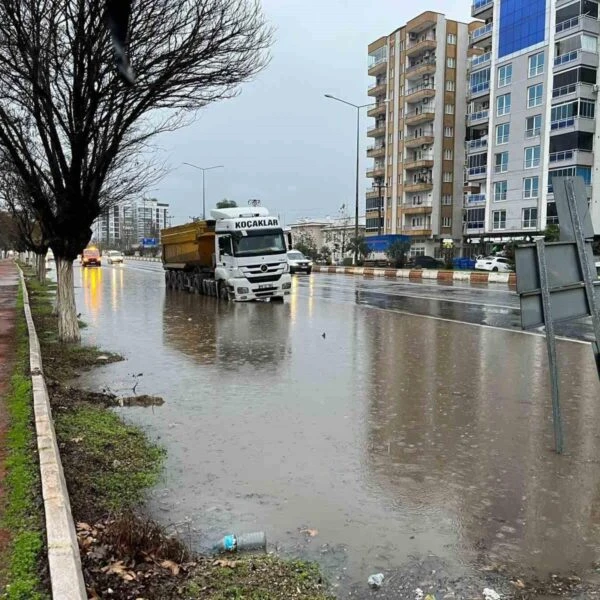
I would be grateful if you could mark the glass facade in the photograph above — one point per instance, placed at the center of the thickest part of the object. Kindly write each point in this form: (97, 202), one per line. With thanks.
(522, 24)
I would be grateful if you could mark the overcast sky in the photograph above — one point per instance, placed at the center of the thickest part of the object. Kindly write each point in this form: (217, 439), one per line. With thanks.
(281, 140)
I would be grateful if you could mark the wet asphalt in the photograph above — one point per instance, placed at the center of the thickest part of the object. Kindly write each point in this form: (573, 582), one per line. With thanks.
(409, 424)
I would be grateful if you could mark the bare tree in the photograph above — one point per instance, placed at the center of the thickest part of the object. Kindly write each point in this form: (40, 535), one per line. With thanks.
(74, 131)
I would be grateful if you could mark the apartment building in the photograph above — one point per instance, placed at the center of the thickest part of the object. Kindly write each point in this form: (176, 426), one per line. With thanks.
(532, 91)
(418, 132)
(127, 223)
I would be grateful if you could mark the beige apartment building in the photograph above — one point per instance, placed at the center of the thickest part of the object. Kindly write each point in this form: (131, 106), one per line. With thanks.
(418, 131)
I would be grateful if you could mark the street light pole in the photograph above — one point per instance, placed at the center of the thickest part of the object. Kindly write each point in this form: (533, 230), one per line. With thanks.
(357, 107)
(203, 169)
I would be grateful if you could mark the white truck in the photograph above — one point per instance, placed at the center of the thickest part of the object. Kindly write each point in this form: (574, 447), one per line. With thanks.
(239, 254)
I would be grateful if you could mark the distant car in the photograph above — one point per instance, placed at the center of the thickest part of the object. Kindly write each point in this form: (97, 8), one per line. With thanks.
(91, 257)
(114, 256)
(299, 262)
(425, 262)
(493, 263)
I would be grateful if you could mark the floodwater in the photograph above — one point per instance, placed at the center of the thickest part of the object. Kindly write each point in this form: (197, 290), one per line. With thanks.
(395, 436)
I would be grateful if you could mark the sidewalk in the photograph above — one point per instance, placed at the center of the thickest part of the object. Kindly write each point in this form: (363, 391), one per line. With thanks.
(9, 282)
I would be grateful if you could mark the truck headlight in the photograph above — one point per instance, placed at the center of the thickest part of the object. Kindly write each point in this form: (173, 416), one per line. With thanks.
(287, 285)
(243, 290)
(286, 267)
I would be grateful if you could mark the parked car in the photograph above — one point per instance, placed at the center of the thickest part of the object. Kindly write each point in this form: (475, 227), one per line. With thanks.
(493, 263)
(114, 256)
(91, 256)
(298, 262)
(425, 262)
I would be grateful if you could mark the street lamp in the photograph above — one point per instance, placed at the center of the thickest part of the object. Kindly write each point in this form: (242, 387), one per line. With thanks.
(203, 169)
(357, 107)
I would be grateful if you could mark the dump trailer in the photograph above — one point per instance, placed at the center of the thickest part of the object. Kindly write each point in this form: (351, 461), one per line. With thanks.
(239, 254)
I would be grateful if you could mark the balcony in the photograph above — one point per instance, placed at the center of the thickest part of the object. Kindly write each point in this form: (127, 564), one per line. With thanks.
(377, 130)
(580, 157)
(482, 9)
(377, 89)
(479, 61)
(424, 114)
(483, 116)
(424, 67)
(377, 109)
(424, 21)
(423, 184)
(374, 192)
(374, 204)
(475, 200)
(418, 231)
(479, 89)
(422, 45)
(479, 172)
(411, 164)
(417, 209)
(419, 92)
(575, 58)
(378, 66)
(578, 88)
(481, 34)
(422, 140)
(376, 171)
(477, 145)
(376, 151)
(576, 24)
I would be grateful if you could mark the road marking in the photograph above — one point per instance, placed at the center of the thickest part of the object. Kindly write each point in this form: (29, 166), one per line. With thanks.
(446, 320)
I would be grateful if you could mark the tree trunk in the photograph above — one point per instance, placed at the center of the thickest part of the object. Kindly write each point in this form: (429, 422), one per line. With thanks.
(40, 260)
(68, 327)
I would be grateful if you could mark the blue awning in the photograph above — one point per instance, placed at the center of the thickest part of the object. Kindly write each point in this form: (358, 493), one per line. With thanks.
(380, 243)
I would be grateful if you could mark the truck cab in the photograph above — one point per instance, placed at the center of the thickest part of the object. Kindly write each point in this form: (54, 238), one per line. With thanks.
(251, 254)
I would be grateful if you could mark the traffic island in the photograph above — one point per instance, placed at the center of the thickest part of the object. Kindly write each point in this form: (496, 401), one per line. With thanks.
(108, 466)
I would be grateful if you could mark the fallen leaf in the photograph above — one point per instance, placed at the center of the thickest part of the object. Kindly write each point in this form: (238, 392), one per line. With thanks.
(172, 566)
(310, 532)
(225, 563)
(118, 568)
(519, 584)
(81, 526)
(76, 440)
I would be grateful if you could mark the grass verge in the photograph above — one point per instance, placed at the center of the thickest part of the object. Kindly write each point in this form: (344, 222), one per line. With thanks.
(108, 466)
(23, 516)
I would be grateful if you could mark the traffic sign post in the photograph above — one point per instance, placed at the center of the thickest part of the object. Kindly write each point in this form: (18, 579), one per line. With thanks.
(555, 281)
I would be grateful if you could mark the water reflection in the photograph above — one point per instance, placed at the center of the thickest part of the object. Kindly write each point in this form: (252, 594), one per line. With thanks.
(229, 335)
(460, 433)
(91, 281)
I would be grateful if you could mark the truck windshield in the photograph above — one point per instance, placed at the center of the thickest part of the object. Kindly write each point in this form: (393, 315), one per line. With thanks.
(259, 243)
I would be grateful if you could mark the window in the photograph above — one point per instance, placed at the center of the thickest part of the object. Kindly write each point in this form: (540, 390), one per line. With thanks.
(451, 63)
(450, 85)
(476, 218)
(446, 199)
(587, 109)
(448, 176)
(451, 38)
(503, 105)
(499, 219)
(448, 154)
(447, 222)
(392, 73)
(530, 218)
(531, 187)
(504, 75)
(534, 95)
(532, 157)
(500, 190)
(449, 109)
(391, 139)
(502, 133)
(536, 64)
(533, 126)
(501, 162)
(392, 50)
(480, 81)
(400, 135)
(448, 131)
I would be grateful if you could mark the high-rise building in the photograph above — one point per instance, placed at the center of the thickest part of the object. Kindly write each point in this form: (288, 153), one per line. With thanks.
(532, 96)
(128, 223)
(418, 132)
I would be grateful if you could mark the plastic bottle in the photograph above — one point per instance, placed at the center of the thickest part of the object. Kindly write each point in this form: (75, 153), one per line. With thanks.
(245, 541)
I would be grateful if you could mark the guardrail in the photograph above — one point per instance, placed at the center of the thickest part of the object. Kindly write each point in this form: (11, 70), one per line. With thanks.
(144, 258)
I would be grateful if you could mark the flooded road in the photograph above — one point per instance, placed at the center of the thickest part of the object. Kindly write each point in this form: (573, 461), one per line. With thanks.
(395, 436)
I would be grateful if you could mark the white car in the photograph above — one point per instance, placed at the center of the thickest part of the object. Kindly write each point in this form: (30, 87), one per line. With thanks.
(493, 263)
(114, 256)
(299, 262)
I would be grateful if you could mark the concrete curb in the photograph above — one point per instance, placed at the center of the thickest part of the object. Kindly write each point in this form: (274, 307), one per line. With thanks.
(509, 279)
(66, 576)
(143, 258)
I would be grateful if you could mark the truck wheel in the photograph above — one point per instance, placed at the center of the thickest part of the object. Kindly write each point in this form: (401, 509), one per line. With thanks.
(223, 291)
